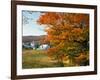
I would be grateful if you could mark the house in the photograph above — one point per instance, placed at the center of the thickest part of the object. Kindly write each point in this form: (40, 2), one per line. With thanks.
(31, 42)
(44, 47)
(28, 45)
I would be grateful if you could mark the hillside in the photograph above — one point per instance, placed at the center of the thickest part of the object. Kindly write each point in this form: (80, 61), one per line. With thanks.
(32, 38)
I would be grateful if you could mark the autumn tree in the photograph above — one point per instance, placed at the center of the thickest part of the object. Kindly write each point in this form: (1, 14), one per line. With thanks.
(68, 36)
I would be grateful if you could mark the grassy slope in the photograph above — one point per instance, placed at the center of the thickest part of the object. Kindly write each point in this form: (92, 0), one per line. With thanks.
(36, 59)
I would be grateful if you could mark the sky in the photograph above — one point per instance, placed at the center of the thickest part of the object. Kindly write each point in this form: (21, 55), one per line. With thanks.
(30, 25)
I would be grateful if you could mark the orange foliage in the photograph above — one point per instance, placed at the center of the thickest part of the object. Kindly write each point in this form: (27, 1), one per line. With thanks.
(82, 57)
(48, 18)
(65, 28)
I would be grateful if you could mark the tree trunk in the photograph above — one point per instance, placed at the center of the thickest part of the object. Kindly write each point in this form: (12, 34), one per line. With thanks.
(60, 62)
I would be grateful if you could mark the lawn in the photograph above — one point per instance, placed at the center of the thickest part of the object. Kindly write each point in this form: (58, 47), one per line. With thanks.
(37, 59)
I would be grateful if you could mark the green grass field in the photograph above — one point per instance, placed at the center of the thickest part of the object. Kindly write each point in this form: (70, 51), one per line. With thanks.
(37, 59)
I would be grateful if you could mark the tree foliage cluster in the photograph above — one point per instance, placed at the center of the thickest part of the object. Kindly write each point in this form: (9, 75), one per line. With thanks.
(68, 36)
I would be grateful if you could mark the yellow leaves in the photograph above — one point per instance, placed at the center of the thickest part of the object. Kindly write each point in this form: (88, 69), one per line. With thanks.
(52, 51)
(56, 41)
(50, 31)
(60, 45)
(70, 48)
(80, 38)
(65, 58)
(77, 31)
(82, 57)
(77, 34)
